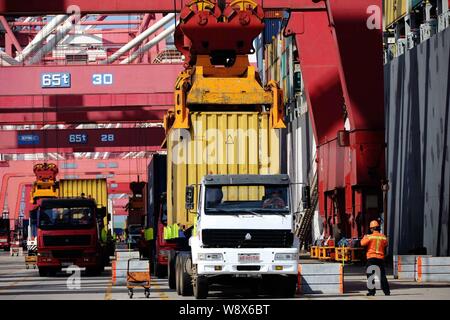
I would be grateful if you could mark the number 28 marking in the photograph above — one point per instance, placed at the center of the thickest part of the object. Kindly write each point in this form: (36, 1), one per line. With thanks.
(107, 138)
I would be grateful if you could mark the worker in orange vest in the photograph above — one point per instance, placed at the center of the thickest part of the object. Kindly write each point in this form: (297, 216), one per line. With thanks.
(376, 244)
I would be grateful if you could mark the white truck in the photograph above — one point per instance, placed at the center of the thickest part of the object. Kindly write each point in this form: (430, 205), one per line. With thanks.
(249, 239)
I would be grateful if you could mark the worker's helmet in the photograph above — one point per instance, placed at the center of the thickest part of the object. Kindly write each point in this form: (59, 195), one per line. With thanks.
(374, 224)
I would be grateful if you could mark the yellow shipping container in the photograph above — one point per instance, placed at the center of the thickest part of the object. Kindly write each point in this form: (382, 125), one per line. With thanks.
(92, 188)
(394, 10)
(218, 143)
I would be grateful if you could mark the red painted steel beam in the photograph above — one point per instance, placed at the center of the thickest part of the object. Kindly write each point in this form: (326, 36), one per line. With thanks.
(38, 7)
(82, 23)
(15, 185)
(80, 140)
(10, 34)
(84, 108)
(125, 79)
(319, 62)
(361, 70)
(131, 114)
(123, 171)
(137, 93)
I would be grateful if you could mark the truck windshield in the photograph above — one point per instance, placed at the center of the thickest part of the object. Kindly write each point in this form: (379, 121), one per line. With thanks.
(77, 217)
(261, 199)
(4, 224)
(134, 229)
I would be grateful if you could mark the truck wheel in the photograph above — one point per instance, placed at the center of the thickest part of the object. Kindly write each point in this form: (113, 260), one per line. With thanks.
(287, 286)
(52, 272)
(185, 275)
(43, 272)
(171, 269)
(94, 272)
(178, 274)
(200, 287)
(160, 271)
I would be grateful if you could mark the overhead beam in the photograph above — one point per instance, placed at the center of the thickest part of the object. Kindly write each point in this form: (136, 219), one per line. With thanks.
(87, 115)
(39, 7)
(81, 140)
(88, 79)
(36, 7)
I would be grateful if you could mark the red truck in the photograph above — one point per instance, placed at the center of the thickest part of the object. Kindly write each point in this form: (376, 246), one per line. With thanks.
(70, 233)
(5, 240)
(162, 247)
(157, 214)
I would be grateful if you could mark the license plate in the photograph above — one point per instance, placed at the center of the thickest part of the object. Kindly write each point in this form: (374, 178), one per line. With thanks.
(66, 264)
(248, 258)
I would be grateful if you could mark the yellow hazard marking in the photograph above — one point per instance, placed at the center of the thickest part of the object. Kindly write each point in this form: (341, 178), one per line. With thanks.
(162, 294)
(11, 285)
(108, 292)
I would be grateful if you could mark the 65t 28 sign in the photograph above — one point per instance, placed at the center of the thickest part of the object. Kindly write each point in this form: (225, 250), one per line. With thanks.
(82, 138)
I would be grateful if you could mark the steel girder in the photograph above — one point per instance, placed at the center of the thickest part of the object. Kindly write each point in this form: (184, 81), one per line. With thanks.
(118, 171)
(81, 140)
(132, 93)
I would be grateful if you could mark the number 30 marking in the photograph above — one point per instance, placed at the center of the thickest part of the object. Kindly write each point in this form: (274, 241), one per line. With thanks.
(102, 79)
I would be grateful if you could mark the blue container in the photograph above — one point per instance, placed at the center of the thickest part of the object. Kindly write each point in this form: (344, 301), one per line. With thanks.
(271, 29)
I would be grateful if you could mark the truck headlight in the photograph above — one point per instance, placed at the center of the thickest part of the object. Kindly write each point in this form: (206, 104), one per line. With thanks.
(210, 256)
(285, 256)
(44, 254)
(164, 253)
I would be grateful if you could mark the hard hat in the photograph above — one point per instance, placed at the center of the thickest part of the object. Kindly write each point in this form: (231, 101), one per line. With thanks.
(374, 224)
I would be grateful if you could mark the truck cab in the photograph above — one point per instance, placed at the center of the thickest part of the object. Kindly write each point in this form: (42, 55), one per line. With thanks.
(134, 232)
(244, 228)
(5, 240)
(69, 233)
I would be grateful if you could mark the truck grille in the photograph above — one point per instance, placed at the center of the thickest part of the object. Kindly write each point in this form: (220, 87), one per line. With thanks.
(221, 238)
(81, 240)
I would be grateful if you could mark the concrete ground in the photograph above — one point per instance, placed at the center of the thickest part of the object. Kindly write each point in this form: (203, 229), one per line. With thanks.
(18, 283)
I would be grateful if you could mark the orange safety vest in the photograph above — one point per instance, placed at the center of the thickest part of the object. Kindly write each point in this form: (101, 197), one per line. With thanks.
(375, 243)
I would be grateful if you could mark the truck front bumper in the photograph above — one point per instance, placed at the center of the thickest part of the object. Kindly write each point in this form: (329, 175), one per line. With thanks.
(232, 263)
(86, 259)
(4, 245)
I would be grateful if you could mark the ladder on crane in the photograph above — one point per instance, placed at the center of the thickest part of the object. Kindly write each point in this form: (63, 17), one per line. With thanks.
(303, 221)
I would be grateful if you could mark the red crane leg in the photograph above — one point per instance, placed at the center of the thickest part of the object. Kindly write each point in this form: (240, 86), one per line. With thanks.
(361, 72)
(319, 61)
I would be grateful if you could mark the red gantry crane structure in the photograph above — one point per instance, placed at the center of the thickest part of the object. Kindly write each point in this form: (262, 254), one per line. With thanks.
(339, 46)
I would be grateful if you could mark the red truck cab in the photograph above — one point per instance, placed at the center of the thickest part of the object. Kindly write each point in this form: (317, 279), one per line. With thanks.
(5, 237)
(162, 246)
(69, 233)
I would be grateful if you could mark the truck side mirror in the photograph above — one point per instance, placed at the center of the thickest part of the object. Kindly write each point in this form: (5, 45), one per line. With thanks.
(33, 215)
(101, 212)
(189, 197)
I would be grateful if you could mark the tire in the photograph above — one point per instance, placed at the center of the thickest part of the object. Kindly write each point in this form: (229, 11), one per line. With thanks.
(185, 275)
(178, 274)
(289, 286)
(283, 286)
(94, 272)
(52, 272)
(171, 270)
(43, 272)
(254, 289)
(200, 287)
(160, 271)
